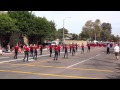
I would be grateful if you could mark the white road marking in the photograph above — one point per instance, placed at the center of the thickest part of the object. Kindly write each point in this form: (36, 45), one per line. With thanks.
(30, 59)
(11, 60)
(83, 61)
(4, 57)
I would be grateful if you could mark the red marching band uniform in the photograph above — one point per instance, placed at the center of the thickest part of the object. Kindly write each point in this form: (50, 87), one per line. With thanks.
(50, 49)
(26, 51)
(56, 52)
(16, 48)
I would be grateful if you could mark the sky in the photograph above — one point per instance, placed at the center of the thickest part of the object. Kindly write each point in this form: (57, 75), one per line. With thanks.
(75, 20)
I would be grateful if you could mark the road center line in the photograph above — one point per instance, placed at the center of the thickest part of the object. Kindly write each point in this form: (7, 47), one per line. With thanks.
(60, 67)
(44, 74)
(83, 61)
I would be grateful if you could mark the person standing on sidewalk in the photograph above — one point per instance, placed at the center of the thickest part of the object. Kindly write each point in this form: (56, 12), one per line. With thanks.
(16, 48)
(8, 48)
(50, 48)
(108, 48)
(26, 51)
(41, 49)
(1, 51)
(117, 51)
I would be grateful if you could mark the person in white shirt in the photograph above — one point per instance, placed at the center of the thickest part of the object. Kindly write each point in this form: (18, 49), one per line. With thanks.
(117, 50)
(1, 52)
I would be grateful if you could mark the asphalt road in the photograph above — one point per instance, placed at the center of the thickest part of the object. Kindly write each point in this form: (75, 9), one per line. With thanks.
(94, 65)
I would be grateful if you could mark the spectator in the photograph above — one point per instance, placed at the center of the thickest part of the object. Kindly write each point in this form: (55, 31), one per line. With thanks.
(116, 51)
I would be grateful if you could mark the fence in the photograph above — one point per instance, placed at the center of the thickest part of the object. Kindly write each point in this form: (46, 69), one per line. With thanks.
(75, 41)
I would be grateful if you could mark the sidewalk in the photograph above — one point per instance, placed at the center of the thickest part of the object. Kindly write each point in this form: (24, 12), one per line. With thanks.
(10, 53)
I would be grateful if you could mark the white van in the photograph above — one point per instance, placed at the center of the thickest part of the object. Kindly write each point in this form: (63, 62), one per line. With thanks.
(54, 43)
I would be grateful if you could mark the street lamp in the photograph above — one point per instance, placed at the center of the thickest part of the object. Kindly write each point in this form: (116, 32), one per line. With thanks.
(63, 27)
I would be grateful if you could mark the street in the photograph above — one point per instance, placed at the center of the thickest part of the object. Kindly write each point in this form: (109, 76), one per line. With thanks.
(94, 65)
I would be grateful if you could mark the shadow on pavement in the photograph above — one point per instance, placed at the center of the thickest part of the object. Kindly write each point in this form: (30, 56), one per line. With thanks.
(113, 77)
(117, 76)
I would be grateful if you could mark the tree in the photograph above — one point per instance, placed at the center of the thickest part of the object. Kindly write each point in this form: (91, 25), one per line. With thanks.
(74, 36)
(87, 29)
(60, 33)
(40, 31)
(96, 30)
(83, 35)
(114, 38)
(7, 27)
(23, 18)
(53, 32)
(106, 27)
(36, 28)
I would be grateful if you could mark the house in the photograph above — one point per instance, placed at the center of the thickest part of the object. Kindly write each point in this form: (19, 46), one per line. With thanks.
(68, 36)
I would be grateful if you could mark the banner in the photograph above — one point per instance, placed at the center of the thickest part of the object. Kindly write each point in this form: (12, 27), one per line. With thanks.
(25, 40)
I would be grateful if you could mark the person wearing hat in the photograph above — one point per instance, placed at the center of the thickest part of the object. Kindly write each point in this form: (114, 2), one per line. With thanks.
(116, 51)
